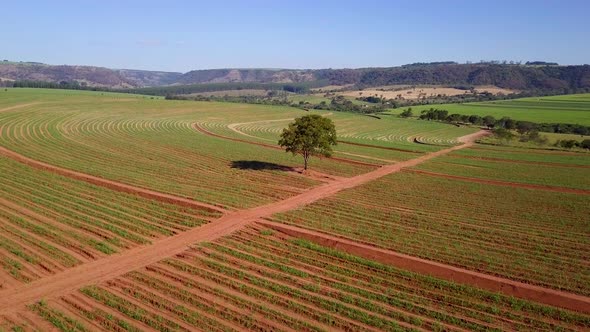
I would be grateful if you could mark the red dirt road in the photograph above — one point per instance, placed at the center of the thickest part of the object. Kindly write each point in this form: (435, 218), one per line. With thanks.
(114, 185)
(118, 264)
(443, 271)
(270, 146)
(516, 161)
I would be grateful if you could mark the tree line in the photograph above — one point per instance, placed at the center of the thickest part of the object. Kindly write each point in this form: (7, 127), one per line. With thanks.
(72, 85)
(301, 87)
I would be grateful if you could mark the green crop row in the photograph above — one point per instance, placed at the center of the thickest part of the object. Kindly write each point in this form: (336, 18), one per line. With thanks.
(533, 236)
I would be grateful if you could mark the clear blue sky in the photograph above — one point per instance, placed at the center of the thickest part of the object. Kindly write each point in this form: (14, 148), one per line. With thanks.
(183, 35)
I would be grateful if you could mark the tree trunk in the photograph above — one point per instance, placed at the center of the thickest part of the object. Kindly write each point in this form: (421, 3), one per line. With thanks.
(305, 158)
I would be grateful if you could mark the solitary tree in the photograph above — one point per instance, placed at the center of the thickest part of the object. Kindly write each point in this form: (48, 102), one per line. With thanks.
(309, 135)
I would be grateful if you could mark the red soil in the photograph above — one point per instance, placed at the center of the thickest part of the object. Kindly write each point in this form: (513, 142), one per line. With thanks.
(275, 147)
(114, 185)
(515, 161)
(112, 266)
(504, 183)
(535, 151)
(379, 147)
(443, 271)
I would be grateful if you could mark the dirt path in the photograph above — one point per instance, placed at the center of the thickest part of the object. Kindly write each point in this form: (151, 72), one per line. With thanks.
(233, 126)
(505, 183)
(518, 161)
(118, 264)
(114, 185)
(202, 130)
(378, 147)
(443, 271)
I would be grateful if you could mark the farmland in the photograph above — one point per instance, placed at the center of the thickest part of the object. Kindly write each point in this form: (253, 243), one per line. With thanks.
(469, 224)
(258, 279)
(50, 223)
(121, 212)
(574, 109)
(386, 132)
(116, 132)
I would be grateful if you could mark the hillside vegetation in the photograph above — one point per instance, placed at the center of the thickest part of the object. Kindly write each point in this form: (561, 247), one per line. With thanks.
(562, 79)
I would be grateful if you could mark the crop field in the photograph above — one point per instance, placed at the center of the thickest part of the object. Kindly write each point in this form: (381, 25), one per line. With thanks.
(548, 169)
(154, 145)
(123, 212)
(50, 223)
(257, 279)
(535, 236)
(556, 158)
(574, 109)
(388, 131)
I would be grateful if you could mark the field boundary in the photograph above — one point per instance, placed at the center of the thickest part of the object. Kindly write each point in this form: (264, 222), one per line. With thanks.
(503, 183)
(418, 265)
(380, 147)
(517, 161)
(118, 264)
(113, 185)
(202, 130)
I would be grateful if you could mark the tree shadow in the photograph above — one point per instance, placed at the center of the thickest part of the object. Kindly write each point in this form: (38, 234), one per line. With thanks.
(260, 166)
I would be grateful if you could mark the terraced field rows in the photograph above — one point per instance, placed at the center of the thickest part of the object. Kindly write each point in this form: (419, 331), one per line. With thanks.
(532, 236)
(176, 161)
(395, 131)
(557, 169)
(375, 146)
(256, 278)
(260, 280)
(532, 157)
(154, 145)
(50, 223)
(573, 109)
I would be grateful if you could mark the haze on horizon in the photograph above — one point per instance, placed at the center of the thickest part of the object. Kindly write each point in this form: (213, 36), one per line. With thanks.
(183, 35)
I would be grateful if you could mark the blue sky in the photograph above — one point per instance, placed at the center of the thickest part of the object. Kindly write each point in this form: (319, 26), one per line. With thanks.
(184, 35)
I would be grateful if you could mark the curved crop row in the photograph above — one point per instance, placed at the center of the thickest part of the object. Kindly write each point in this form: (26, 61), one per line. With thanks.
(153, 145)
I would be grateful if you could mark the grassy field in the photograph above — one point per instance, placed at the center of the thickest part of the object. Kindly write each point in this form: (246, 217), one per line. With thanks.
(574, 109)
(258, 280)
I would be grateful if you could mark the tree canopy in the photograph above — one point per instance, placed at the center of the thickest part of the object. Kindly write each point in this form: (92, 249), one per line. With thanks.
(309, 135)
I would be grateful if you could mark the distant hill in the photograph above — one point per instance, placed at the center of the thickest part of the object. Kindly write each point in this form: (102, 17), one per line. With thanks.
(143, 78)
(85, 75)
(518, 77)
(247, 76)
(533, 75)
